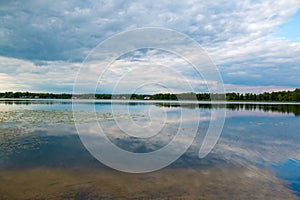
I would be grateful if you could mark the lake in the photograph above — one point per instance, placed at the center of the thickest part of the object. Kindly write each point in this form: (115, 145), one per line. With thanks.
(257, 155)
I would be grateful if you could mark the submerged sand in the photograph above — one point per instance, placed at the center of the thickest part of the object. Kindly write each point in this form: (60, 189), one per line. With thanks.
(218, 183)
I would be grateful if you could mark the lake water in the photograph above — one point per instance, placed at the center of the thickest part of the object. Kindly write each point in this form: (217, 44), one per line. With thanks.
(42, 157)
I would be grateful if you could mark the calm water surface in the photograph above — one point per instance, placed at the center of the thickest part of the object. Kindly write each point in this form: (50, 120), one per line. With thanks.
(42, 157)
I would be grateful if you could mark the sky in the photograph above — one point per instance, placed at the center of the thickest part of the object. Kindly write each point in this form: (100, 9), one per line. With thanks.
(255, 44)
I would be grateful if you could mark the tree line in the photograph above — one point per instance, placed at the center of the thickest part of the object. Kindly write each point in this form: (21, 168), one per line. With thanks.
(31, 95)
(266, 96)
(282, 96)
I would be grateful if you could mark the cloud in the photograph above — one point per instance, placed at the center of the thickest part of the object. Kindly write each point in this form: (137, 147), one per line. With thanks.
(255, 88)
(21, 75)
(59, 30)
(239, 36)
(265, 61)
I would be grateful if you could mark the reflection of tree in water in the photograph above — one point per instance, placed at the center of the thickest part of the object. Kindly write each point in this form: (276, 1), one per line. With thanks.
(282, 108)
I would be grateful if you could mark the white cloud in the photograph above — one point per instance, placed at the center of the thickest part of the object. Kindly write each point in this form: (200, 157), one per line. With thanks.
(21, 75)
(255, 89)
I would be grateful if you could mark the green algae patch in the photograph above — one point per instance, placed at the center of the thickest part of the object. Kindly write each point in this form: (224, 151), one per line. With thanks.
(15, 124)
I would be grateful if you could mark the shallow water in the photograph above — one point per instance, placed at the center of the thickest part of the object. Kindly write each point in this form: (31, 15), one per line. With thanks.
(42, 156)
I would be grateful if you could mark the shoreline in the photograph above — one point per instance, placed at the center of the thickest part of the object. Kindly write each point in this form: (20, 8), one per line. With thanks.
(153, 101)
